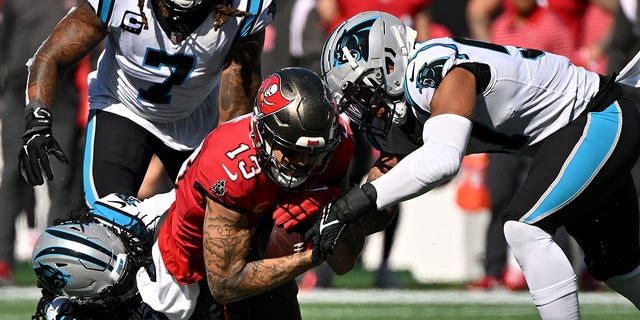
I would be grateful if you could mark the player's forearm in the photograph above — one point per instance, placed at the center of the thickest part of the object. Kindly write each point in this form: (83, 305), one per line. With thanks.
(236, 93)
(260, 276)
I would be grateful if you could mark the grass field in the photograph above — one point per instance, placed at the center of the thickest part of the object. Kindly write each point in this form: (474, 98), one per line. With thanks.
(373, 307)
(354, 299)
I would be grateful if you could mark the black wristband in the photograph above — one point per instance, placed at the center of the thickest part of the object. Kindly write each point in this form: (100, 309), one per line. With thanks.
(37, 118)
(357, 202)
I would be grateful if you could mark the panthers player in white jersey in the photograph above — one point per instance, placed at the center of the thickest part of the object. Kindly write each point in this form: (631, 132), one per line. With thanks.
(171, 70)
(433, 102)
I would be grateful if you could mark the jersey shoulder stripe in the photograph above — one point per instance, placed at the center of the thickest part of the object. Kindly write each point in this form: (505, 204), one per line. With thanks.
(262, 14)
(247, 24)
(104, 9)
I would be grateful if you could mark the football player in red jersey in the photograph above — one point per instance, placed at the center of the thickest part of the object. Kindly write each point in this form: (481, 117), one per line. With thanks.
(294, 141)
(284, 161)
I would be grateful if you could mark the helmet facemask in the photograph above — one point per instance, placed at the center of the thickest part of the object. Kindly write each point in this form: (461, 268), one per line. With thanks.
(369, 106)
(291, 165)
(183, 16)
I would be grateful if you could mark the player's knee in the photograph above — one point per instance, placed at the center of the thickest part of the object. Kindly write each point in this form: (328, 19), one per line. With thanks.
(521, 236)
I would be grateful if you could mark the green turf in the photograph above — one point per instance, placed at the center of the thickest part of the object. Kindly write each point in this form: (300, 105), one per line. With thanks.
(23, 275)
(451, 312)
(23, 309)
(17, 310)
(360, 279)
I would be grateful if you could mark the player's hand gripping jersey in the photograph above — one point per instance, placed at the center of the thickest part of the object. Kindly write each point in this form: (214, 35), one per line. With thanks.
(225, 168)
(521, 99)
(143, 75)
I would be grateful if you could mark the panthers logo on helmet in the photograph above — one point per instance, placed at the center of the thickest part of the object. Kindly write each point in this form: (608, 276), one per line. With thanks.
(270, 97)
(354, 39)
(430, 74)
(54, 279)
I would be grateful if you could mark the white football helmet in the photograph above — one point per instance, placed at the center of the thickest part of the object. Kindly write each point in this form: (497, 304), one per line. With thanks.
(363, 63)
(83, 261)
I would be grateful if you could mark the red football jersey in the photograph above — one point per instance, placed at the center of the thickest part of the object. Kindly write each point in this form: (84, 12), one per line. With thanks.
(225, 168)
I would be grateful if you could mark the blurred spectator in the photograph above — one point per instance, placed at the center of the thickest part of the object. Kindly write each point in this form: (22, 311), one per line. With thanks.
(451, 14)
(275, 54)
(480, 14)
(414, 13)
(25, 25)
(528, 25)
(625, 39)
(307, 35)
(624, 44)
(595, 37)
(587, 21)
(504, 175)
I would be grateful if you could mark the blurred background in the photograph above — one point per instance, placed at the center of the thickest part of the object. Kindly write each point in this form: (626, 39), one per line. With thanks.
(448, 239)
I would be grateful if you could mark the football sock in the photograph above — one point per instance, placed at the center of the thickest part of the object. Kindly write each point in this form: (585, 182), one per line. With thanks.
(559, 301)
(549, 274)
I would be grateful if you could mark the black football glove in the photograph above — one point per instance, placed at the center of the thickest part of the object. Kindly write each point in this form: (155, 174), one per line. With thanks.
(335, 217)
(38, 144)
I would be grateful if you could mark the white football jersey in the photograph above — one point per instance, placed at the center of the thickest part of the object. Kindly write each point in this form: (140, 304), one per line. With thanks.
(530, 94)
(143, 76)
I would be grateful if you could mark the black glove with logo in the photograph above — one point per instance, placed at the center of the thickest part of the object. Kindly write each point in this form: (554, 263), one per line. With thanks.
(335, 217)
(38, 144)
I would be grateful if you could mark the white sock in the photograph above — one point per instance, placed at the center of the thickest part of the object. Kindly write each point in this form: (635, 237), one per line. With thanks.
(549, 274)
(627, 285)
(559, 301)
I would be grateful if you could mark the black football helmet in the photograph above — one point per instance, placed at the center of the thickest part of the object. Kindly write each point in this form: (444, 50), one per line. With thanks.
(184, 16)
(295, 126)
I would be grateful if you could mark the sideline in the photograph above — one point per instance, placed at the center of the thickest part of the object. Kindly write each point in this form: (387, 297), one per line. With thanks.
(390, 296)
(495, 297)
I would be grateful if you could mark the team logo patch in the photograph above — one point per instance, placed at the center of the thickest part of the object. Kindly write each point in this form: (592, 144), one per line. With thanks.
(132, 22)
(219, 189)
(355, 40)
(54, 279)
(430, 74)
(270, 97)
